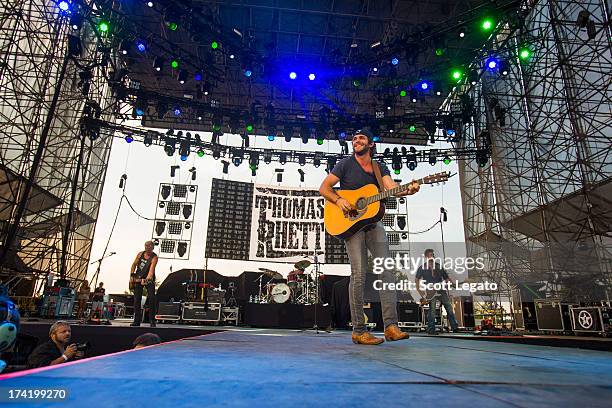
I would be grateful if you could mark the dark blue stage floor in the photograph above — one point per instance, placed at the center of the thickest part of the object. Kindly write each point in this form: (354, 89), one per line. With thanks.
(254, 368)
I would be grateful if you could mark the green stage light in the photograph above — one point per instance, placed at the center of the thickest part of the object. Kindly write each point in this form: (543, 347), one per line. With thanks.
(174, 64)
(397, 171)
(487, 24)
(249, 128)
(457, 74)
(200, 153)
(412, 128)
(319, 141)
(446, 160)
(172, 26)
(524, 53)
(103, 26)
(402, 93)
(214, 45)
(439, 52)
(216, 128)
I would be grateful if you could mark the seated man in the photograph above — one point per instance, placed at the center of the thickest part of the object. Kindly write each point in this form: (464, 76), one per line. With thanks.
(146, 339)
(56, 350)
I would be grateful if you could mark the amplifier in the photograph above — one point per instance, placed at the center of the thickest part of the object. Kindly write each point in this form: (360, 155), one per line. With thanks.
(463, 307)
(197, 312)
(438, 315)
(593, 319)
(168, 311)
(409, 314)
(552, 315)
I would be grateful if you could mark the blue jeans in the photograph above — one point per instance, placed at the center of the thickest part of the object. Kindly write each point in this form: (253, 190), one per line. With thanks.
(431, 315)
(374, 240)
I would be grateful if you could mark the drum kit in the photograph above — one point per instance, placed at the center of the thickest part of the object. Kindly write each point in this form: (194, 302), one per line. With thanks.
(300, 287)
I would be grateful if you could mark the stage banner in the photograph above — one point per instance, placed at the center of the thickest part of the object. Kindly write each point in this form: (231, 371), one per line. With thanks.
(286, 224)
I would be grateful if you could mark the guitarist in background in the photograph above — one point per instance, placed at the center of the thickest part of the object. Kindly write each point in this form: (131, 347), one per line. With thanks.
(432, 272)
(142, 273)
(355, 172)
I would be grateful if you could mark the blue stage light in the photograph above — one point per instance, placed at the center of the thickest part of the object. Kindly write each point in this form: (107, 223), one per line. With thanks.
(425, 85)
(492, 63)
(342, 135)
(376, 139)
(129, 138)
(183, 158)
(450, 132)
(141, 46)
(198, 76)
(311, 77)
(395, 61)
(248, 73)
(292, 75)
(139, 112)
(64, 6)
(271, 138)
(177, 111)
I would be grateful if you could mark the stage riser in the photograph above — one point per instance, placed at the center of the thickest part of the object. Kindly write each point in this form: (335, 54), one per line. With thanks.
(285, 316)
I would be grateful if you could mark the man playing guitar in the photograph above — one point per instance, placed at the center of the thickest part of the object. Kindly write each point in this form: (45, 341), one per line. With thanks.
(432, 272)
(142, 273)
(353, 173)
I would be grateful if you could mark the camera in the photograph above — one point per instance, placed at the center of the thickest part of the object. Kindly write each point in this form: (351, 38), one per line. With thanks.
(82, 346)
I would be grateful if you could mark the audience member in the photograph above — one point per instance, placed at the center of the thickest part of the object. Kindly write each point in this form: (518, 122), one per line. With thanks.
(56, 350)
(146, 339)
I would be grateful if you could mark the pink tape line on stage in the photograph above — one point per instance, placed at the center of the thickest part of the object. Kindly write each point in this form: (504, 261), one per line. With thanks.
(85, 360)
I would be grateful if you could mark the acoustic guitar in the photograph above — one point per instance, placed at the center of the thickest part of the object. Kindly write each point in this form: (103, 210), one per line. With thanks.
(367, 207)
(136, 280)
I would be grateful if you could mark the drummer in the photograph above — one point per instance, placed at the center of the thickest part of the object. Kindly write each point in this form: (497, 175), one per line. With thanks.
(300, 268)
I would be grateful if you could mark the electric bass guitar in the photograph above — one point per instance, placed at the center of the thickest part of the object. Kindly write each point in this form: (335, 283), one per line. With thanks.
(367, 207)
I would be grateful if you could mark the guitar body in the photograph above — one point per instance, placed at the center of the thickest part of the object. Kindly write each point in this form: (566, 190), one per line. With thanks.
(342, 225)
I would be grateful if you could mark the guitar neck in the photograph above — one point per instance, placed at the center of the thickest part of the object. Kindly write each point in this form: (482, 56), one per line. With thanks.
(392, 192)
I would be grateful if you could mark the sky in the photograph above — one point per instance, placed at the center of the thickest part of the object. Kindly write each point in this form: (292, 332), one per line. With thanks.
(147, 167)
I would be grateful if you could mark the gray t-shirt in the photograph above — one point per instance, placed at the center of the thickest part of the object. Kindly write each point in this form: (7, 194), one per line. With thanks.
(352, 176)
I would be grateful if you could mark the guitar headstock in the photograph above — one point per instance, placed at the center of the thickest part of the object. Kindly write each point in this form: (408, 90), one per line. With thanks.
(436, 178)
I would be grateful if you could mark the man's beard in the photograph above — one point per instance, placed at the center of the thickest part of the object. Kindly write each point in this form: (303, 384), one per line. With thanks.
(363, 151)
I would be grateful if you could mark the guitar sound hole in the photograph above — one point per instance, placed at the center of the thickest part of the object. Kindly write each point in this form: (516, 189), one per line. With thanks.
(360, 205)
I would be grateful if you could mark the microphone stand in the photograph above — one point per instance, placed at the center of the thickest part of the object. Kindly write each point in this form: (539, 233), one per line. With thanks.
(317, 270)
(97, 273)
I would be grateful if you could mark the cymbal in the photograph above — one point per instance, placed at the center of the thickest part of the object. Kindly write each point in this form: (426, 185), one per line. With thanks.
(271, 274)
(303, 264)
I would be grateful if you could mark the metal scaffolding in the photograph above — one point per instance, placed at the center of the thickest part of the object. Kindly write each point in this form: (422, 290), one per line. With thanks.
(540, 212)
(51, 168)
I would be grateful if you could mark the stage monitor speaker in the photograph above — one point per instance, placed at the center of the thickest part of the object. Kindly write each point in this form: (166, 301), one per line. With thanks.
(463, 308)
(168, 311)
(552, 315)
(591, 319)
(408, 312)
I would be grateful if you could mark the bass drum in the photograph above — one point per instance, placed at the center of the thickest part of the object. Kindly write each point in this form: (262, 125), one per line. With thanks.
(280, 293)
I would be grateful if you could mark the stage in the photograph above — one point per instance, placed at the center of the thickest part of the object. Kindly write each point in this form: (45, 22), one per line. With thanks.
(264, 367)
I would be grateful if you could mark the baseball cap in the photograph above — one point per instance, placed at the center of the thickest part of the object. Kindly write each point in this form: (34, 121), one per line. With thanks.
(367, 133)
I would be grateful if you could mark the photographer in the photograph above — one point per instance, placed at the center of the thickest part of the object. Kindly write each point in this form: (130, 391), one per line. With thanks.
(56, 350)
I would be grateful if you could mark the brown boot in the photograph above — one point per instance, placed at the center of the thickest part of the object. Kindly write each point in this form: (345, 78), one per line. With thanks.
(392, 333)
(366, 338)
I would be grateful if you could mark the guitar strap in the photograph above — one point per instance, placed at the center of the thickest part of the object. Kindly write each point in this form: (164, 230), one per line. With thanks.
(376, 168)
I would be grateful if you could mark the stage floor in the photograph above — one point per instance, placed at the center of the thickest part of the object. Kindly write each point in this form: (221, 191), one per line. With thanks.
(262, 367)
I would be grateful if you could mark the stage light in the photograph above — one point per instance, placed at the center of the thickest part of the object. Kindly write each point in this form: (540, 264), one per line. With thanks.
(302, 159)
(524, 53)
(403, 93)
(182, 76)
(432, 157)
(425, 85)
(268, 156)
(225, 166)
(174, 64)
(249, 128)
(487, 24)
(158, 63)
(482, 158)
(184, 149)
(64, 7)
(412, 128)
(292, 75)
(172, 26)
(232, 56)
(169, 147)
(456, 74)
(396, 163)
(187, 211)
(461, 34)
(271, 137)
(76, 20)
(181, 249)
(103, 26)
(148, 139)
(446, 160)
(183, 157)
(129, 138)
(342, 135)
(200, 153)
(248, 73)
(160, 226)
(356, 83)
(394, 61)
(197, 76)
(150, 4)
(320, 140)
(439, 51)
(214, 45)
(237, 157)
(317, 161)
(450, 132)
(141, 46)
(216, 154)
(177, 111)
(492, 63)
(282, 158)
(311, 77)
